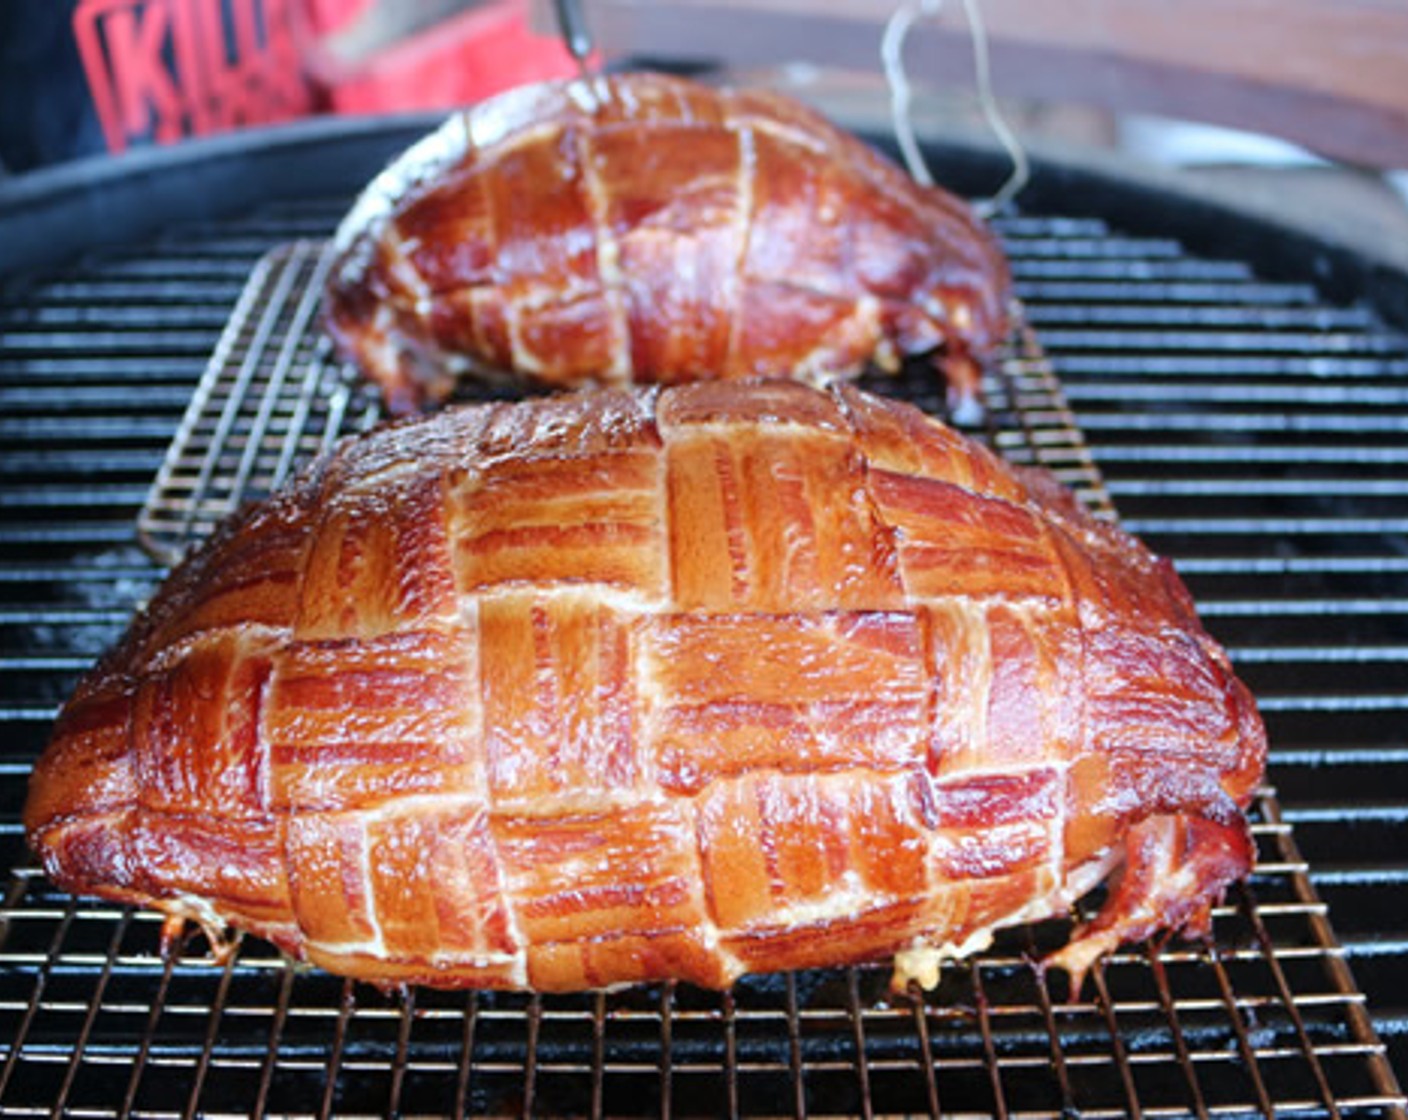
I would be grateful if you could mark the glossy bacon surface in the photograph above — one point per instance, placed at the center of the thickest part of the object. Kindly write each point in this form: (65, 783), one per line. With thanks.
(647, 229)
(677, 683)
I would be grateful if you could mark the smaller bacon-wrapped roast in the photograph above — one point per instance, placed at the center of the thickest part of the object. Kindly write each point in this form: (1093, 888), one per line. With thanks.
(643, 229)
(680, 683)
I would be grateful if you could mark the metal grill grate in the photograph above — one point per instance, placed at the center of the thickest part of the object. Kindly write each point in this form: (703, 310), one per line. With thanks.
(1217, 408)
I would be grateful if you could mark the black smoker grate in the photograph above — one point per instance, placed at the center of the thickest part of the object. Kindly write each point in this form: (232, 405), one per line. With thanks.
(1249, 429)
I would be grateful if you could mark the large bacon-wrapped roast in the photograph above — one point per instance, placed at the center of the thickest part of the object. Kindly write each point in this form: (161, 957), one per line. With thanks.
(643, 229)
(679, 683)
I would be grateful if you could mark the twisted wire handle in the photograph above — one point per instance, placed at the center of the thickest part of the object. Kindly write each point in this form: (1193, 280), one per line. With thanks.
(892, 58)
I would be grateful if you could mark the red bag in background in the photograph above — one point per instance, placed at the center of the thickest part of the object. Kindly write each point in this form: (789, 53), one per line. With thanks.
(433, 55)
(162, 70)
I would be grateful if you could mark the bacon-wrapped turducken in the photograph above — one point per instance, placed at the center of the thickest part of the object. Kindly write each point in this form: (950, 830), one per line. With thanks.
(645, 229)
(681, 683)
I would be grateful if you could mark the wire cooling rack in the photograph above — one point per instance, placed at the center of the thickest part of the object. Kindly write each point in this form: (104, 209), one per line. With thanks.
(1265, 1020)
(273, 396)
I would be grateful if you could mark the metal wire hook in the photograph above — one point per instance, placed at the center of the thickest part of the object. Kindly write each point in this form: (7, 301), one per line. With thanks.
(892, 59)
(576, 34)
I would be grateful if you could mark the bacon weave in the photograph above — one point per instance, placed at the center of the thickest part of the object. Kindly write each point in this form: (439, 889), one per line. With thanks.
(679, 683)
(644, 229)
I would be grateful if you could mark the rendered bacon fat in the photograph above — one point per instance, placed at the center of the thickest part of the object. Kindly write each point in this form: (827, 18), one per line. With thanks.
(647, 229)
(673, 683)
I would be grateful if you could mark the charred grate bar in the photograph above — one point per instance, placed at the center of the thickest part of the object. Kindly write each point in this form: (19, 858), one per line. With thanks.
(1266, 1020)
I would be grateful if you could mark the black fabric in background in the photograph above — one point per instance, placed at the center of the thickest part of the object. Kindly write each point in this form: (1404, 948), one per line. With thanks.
(46, 111)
